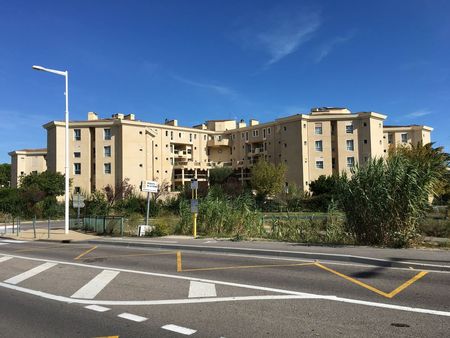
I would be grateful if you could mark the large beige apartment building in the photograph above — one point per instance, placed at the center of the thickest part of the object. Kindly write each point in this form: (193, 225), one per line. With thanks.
(108, 151)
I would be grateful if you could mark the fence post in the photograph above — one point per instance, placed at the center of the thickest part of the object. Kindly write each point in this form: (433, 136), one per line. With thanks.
(48, 227)
(121, 226)
(18, 226)
(104, 225)
(34, 226)
(13, 225)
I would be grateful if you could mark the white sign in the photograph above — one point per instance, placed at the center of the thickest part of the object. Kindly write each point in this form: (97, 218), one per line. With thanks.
(194, 184)
(77, 204)
(144, 229)
(149, 186)
(194, 206)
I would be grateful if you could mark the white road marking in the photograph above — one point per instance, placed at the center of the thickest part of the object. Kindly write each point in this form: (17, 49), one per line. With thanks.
(199, 289)
(4, 259)
(132, 317)
(179, 329)
(97, 308)
(287, 293)
(30, 273)
(11, 241)
(96, 284)
(4, 243)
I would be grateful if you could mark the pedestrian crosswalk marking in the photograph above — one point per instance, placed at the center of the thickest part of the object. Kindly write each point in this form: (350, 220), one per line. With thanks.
(30, 273)
(96, 285)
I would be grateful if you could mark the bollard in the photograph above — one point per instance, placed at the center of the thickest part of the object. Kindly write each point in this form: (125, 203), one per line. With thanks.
(18, 226)
(34, 226)
(48, 227)
(121, 226)
(13, 225)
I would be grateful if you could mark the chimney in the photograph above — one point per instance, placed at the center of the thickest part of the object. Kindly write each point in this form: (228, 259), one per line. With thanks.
(92, 116)
(130, 117)
(253, 122)
(118, 116)
(242, 124)
(171, 123)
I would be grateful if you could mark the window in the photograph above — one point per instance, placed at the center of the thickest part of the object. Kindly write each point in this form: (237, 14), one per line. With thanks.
(242, 136)
(171, 135)
(318, 129)
(107, 168)
(350, 162)
(167, 133)
(349, 129)
(390, 138)
(319, 164)
(365, 141)
(350, 145)
(285, 145)
(107, 151)
(107, 133)
(319, 146)
(233, 136)
(204, 137)
(190, 137)
(255, 133)
(77, 134)
(264, 133)
(179, 135)
(365, 124)
(404, 138)
(77, 154)
(77, 190)
(246, 135)
(269, 131)
(333, 163)
(77, 168)
(284, 128)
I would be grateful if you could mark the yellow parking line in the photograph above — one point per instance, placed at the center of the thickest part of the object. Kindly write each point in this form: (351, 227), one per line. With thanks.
(85, 252)
(246, 267)
(406, 284)
(179, 268)
(371, 288)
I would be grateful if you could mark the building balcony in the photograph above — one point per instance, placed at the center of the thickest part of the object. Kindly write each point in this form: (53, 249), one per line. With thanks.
(218, 143)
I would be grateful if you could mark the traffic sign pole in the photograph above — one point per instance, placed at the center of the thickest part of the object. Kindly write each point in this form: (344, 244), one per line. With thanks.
(194, 205)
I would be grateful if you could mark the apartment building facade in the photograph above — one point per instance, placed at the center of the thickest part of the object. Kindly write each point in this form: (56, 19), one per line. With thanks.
(25, 162)
(326, 141)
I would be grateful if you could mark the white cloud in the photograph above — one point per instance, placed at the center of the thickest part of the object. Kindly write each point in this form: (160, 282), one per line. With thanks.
(281, 32)
(327, 47)
(222, 90)
(419, 113)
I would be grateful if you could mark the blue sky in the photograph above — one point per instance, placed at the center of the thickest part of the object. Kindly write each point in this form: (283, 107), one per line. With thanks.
(198, 60)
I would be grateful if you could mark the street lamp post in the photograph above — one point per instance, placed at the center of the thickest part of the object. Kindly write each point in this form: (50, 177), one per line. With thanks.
(66, 165)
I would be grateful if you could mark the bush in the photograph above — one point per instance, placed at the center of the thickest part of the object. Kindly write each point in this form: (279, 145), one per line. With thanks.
(385, 200)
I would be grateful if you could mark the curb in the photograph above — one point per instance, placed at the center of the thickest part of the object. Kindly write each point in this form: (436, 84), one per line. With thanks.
(283, 253)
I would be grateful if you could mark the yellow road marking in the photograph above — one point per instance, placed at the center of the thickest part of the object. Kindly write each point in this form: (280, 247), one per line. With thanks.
(247, 267)
(133, 255)
(371, 288)
(85, 252)
(408, 283)
(108, 337)
(179, 269)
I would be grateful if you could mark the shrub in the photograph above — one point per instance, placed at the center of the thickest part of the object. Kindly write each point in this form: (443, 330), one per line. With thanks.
(385, 200)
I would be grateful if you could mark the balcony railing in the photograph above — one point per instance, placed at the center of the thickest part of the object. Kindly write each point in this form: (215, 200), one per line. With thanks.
(218, 143)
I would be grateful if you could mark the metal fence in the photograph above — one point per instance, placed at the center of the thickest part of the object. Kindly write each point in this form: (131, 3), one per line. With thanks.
(102, 225)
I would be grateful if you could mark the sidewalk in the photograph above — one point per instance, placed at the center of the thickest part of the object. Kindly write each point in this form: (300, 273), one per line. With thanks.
(426, 259)
(56, 235)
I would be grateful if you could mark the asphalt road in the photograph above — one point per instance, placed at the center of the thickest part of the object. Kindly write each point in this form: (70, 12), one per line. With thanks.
(48, 290)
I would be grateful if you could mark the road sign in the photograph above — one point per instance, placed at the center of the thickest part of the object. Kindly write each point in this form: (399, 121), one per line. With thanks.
(78, 204)
(149, 186)
(194, 183)
(194, 206)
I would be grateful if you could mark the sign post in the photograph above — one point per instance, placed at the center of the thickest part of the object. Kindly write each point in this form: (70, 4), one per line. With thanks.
(78, 202)
(194, 205)
(148, 187)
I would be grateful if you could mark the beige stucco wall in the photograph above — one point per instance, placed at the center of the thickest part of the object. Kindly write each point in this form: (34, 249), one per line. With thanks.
(24, 162)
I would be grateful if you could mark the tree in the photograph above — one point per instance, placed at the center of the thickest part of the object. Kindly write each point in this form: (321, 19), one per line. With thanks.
(323, 185)
(5, 175)
(267, 178)
(47, 183)
(219, 175)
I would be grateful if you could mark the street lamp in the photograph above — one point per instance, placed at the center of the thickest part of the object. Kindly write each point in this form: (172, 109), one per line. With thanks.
(66, 165)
